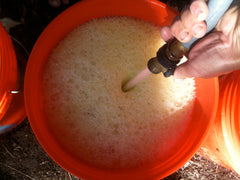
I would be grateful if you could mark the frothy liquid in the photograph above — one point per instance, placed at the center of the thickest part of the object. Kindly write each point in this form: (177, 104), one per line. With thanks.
(88, 111)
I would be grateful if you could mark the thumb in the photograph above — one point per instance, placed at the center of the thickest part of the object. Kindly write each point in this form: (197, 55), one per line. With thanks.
(206, 59)
(189, 70)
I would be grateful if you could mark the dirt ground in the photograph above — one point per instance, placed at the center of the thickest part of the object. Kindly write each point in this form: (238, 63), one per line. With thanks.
(21, 157)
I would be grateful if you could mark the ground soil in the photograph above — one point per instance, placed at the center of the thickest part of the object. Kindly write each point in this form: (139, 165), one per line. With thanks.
(21, 156)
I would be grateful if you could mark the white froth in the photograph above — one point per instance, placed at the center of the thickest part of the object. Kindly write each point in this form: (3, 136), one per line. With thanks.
(91, 115)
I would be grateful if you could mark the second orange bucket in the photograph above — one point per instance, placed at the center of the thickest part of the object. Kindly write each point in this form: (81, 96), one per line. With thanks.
(12, 109)
(223, 142)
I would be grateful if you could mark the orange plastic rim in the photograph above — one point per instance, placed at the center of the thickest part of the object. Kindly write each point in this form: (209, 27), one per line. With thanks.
(149, 10)
(12, 109)
(8, 70)
(223, 143)
(230, 122)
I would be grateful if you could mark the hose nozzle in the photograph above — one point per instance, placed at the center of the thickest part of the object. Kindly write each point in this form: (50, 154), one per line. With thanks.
(168, 56)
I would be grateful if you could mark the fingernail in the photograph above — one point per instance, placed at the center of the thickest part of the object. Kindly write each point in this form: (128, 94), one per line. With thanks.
(184, 35)
(197, 31)
(200, 15)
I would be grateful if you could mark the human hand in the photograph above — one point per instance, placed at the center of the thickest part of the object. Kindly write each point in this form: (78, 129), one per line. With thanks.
(216, 54)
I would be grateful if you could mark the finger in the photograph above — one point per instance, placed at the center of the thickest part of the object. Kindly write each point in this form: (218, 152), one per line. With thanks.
(203, 59)
(186, 70)
(206, 70)
(194, 27)
(166, 33)
(199, 9)
(179, 31)
(199, 29)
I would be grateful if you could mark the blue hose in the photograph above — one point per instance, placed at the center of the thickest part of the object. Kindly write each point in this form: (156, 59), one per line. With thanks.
(216, 10)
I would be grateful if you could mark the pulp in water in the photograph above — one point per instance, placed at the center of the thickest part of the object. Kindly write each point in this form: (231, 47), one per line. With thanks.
(89, 113)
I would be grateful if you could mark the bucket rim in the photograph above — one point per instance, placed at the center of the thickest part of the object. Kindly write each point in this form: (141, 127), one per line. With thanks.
(8, 72)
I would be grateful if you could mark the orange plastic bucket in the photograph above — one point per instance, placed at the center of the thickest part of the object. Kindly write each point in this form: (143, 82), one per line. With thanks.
(223, 143)
(12, 110)
(150, 10)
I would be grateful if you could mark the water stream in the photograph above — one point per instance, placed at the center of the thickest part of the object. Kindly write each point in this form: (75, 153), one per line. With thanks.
(134, 81)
